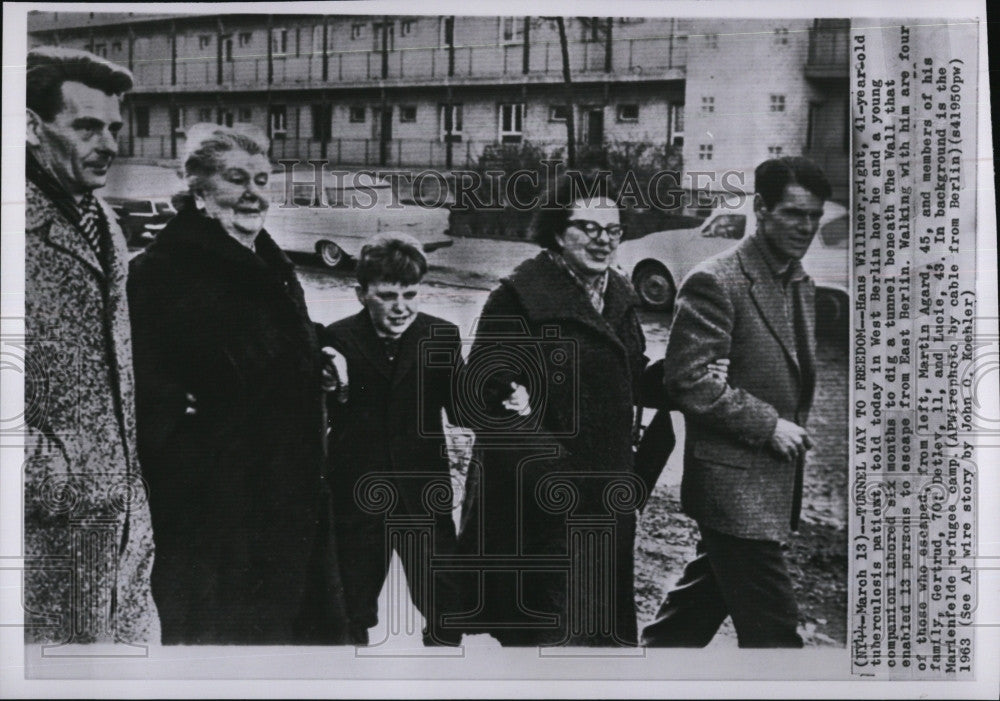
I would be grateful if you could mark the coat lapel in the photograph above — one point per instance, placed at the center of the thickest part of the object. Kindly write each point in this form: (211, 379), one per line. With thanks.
(806, 298)
(766, 295)
(548, 295)
(58, 231)
(407, 356)
(367, 343)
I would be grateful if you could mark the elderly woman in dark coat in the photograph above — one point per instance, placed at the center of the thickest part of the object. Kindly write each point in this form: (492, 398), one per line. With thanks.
(563, 350)
(231, 416)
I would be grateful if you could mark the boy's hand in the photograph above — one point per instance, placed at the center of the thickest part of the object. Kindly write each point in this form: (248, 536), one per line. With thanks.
(334, 373)
(518, 400)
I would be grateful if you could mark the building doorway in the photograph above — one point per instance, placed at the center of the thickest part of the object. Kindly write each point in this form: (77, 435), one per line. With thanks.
(594, 125)
(383, 129)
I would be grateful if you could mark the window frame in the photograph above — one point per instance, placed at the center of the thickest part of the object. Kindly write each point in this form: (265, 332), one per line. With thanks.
(353, 112)
(456, 111)
(513, 113)
(621, 108)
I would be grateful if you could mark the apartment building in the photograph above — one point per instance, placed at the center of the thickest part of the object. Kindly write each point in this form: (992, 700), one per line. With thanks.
(434, 91)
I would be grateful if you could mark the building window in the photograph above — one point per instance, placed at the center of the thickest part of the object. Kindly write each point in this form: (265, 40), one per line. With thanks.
(205, 114)
(558, 113)
(708, 104)
(777, 103)
(591, 29)
(675, 136)
(278, 122)
(357, 30)
(406, 27)
(204, 41)
(116, 47)
(178, 119)
(101, 50)
(705, 152)
(774, 151)
(408, 114)
(712, 41)
(279, 41)
(227, 44)
(781, 36)
(246, 38)
(245, 115)
(321, 122)
(390, 38)
(357, 115)
(446, 33)
(512, 122)
(451, 120)
(225, 117)
(511, 30)
(628, 113)
(142, 121)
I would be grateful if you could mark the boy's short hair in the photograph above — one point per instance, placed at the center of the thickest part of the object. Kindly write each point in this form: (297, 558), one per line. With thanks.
(392, 258)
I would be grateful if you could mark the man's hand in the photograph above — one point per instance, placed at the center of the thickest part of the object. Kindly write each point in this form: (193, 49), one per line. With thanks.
(334, 373)
(518, 400)
(790, 440)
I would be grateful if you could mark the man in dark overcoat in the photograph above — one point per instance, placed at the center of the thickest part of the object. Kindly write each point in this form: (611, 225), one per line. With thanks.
(746, 439)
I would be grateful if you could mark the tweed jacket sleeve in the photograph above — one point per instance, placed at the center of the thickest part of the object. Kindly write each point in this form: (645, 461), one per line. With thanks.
(702, 333)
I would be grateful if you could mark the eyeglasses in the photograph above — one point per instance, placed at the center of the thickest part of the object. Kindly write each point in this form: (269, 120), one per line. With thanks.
(593, 230)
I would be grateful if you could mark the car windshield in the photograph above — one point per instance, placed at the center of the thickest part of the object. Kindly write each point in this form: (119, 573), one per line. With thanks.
(165, 208)
(136, 206)
(726, 226)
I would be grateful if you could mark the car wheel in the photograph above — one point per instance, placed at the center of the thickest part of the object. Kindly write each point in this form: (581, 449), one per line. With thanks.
(832, 314)
(330, 253)
(655, 286)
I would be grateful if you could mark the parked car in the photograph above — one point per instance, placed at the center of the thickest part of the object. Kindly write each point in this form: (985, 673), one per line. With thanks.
(658, 262)
(141, 219)
(351, 207)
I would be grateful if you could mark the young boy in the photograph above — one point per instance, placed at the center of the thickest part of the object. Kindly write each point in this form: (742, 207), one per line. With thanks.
(386, 419)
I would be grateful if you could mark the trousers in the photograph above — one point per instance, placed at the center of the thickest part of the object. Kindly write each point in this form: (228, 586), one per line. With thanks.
(738, 577)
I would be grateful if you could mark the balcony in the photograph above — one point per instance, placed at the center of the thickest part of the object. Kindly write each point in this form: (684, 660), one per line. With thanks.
(399, 153)
(631, 59)
(829, 49)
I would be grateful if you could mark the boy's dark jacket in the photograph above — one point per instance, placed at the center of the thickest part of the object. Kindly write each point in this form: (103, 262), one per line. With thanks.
(392, 418)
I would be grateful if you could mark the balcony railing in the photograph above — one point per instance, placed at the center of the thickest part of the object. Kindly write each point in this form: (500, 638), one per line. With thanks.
(408, 153)
(829, 49)
(644, 56)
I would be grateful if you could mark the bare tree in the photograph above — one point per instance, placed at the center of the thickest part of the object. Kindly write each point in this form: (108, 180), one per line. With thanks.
(596, 27)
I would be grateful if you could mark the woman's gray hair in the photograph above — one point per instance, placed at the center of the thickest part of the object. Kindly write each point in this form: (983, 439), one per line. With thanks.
(207, 142)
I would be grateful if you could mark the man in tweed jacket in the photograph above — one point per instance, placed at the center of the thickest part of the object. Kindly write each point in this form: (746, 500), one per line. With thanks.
(746, 439)
(88, 539)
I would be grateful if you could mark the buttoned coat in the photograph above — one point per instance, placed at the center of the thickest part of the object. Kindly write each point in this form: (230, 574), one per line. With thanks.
(83, 483)
(733, 307)
(569, 466)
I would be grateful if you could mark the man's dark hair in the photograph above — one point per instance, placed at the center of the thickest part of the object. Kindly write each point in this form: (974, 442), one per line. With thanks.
(51, 66)
(561, 193)
(773, 176)
(392, 258)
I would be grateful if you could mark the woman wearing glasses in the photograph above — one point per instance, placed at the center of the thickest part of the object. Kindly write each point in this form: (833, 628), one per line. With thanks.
(556, 368)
